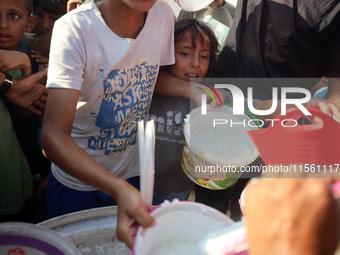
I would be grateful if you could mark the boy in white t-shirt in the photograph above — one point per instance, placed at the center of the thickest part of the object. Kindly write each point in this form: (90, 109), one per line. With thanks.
(104, 61)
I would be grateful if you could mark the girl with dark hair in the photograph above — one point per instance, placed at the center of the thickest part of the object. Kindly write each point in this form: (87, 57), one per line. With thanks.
(196, 49)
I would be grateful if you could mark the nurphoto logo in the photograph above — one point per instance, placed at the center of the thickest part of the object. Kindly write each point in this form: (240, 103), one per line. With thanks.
(239, 99)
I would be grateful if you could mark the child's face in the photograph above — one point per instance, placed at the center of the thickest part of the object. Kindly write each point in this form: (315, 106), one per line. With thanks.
(45, 21)
(191, 63)
(14, 21)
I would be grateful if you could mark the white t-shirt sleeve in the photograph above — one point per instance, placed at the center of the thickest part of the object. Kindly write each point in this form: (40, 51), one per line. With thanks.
(67, 57)
(168, 56)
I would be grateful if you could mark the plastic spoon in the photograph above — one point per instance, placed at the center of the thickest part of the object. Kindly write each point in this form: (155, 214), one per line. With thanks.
(146, 136)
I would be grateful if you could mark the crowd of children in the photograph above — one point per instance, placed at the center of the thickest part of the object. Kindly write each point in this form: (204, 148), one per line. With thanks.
(105, 61)
(20, 30)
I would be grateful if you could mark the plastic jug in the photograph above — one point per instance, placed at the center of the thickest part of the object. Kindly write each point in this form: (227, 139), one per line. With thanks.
(284, 143)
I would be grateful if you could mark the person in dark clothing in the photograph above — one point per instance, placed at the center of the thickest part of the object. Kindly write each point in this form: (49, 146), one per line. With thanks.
(297, 40)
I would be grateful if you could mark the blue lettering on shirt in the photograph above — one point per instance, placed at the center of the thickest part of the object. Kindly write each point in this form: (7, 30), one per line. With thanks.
(126, 100)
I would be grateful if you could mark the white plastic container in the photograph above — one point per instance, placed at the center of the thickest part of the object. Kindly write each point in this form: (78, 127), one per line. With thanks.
(180, 226)
(193, 5)
(217, 146)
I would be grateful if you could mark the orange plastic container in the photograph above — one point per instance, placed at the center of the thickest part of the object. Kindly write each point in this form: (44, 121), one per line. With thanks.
(302, 144)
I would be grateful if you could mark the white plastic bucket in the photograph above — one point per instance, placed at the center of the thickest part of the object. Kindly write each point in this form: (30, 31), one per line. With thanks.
(193, 5)
(180, 226)
(217, 146)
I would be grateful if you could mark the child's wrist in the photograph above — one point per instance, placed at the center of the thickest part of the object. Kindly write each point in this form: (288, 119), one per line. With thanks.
(6, 84)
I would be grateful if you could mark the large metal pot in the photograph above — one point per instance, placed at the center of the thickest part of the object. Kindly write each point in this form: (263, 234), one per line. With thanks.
(91, 231)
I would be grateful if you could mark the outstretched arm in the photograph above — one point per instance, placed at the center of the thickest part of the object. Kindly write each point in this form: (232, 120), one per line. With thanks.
(170, 85)
(324, 105)
(60, 148)
(28, 93)
(15, 60)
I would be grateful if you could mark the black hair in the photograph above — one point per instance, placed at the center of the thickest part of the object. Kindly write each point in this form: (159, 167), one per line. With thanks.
(54, 7)
(36, 3)
(29, 7)
(203, 31)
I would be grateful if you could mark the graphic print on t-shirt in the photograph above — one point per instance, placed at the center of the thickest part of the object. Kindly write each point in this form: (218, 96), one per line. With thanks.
(126, 100)
(171, 128)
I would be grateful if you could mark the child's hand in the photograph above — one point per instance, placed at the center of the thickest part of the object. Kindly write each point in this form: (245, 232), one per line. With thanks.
(15, 60)
(131, 213)
(28, 93)
(39, 58)
(72, 4)
(325, 106)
